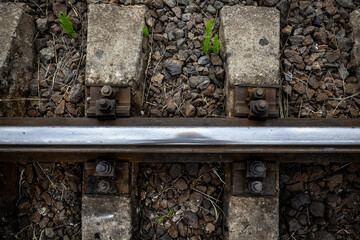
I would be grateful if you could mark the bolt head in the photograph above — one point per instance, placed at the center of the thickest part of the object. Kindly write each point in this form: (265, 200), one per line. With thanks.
(107, 91)
(256, 187)
(103, 186)
(260, 169)
(259, 107)
(257, 169)
(103, 167)
(100, 168)
(262, 104)
(103, 103)
(259, 92)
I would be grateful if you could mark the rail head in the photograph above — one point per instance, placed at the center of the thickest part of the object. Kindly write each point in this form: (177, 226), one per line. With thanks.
(179, 135)
(117, 138)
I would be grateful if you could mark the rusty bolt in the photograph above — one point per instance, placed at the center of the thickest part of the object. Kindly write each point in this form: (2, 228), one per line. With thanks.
(258, 93)
(105, 105)
(107, 91)
(103, 168)
(104, 186)
(256, 187)
(260, 107)
(257, 169)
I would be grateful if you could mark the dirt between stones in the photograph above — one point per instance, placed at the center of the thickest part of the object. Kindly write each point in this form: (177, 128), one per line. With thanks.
(320, 201)
(49, 205)
(181, 201)
(318, 80)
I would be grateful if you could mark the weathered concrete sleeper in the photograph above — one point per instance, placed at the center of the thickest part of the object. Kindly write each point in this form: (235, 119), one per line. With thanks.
(17, 55)
(250, 44)
(116, 47)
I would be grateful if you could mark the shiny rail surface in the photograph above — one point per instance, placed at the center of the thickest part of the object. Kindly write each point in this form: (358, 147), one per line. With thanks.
(179, 136)
(159, 139)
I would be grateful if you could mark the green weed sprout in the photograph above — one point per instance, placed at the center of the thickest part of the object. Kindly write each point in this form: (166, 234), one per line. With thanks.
(206, 44)
(216, 45)
(145, 30)
(66, 24)
(171, 212)
(208, 27)
(160, 219)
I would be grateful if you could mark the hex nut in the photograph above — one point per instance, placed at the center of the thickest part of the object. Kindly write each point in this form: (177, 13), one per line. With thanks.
(107, 91)
(257, 169)
(258, 93)
(104, 186)
(105, 105)
(256, 186)
(103, 168)
(259, 107)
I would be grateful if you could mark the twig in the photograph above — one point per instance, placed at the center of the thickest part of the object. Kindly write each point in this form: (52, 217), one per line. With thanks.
(216, 213)
(20, 182)
(52, 183)
(342, 230)
(150, 54)
(206, 195)
(151, 103)
(216, 106)
(157, 64)
(34, 233)
(344, 100)
(216, 173)
(207, 210)
(38, 85)
(326, 175)
(23, 99)
(23, 229)
(299, 114)
(147, 68)
(41, 234)
(280, 100)
(38, 6)
(292, 236)
(212, 202)
(165, 189)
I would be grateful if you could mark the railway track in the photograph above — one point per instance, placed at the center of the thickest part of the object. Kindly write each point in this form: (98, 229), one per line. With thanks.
(217, 177)
(182, 136)
(127, 144)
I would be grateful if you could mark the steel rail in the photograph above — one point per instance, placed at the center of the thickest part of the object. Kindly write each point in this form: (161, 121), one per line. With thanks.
(185, 136)
(180, 122)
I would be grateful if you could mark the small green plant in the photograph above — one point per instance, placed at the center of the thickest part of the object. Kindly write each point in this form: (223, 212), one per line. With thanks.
(66, 24)
(216, 45)
(206, 44)
(208, 27)
(160, 219)
(145, 30)
(171, 212)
